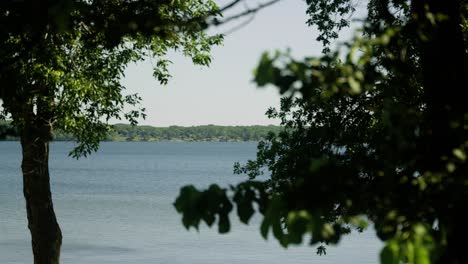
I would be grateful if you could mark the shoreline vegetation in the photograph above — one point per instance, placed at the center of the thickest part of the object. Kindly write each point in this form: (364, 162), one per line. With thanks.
(129, 133)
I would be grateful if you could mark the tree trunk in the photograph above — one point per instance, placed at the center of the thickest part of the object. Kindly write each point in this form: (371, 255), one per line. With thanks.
(42, 223)
(444, 63)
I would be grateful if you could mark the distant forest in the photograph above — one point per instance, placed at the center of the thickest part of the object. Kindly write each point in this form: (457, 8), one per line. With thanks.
(124, 132)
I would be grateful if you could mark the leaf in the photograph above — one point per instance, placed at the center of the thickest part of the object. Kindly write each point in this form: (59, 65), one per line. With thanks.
(223, 224)
(390, 253)
(245, 211)
(410, 252)
(264, 228)
(278, 231)
(297, 224)
(354, 85)
(185, 204)
(209, 218)
(321, 250)
(460, 154)
(421, 255)
(264, 72)
(243, 198)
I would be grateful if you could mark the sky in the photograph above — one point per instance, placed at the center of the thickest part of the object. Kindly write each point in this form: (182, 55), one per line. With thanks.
(223, 93)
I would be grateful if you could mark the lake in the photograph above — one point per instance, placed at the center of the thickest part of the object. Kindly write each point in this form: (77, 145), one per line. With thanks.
(116, 207)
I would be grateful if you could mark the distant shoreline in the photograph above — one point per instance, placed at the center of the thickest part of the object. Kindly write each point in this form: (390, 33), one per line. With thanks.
(128, 133)
(147, 141)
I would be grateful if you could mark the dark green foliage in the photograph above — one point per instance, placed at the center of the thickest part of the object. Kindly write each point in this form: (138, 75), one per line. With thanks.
(330, 17)
(207, 206)
(214, 203)
(7, 131)
(378, 134)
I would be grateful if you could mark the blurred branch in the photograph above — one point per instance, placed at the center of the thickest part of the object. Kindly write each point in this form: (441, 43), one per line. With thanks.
(246, 12)
(241, 25)
(230, 5)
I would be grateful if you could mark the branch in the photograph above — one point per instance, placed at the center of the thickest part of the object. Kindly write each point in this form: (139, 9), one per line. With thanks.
(241, 25)
(230, 5)
(249, 11)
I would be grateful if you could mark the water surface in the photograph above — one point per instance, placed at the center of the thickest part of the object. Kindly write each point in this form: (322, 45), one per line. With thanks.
(116, 207)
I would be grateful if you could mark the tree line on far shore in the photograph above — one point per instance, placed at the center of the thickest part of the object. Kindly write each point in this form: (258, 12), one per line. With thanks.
(125, 132)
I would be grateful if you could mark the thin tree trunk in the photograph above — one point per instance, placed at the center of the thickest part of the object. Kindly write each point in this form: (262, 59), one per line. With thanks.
(45, 231)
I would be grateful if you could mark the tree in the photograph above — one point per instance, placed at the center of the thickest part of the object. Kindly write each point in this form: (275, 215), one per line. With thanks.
(378, 135)
(61, 65)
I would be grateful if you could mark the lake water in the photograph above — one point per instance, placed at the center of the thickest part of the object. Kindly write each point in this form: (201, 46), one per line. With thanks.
(116, 207)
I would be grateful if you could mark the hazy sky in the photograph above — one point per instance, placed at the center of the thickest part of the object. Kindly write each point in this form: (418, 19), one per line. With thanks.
(224, 94)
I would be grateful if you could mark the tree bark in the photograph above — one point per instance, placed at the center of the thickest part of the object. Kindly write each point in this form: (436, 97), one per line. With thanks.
(42, 223)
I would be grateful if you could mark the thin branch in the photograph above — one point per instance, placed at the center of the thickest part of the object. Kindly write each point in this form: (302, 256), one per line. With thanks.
(241, 25)
(245, 13)
(230, 5)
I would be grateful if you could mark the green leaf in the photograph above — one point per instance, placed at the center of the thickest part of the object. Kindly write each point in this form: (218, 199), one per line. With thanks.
(410, 252)
(223, 225)
(209, 218)
(390, 253)
(298, 223)
(244, 197)
(185, 204)
(421, 255)
(460, 154)
(354, 85)
(264, 72)
(265, 227)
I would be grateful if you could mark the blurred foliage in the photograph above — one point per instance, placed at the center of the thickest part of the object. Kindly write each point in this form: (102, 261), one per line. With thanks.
(377, 134)
(7, 131)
